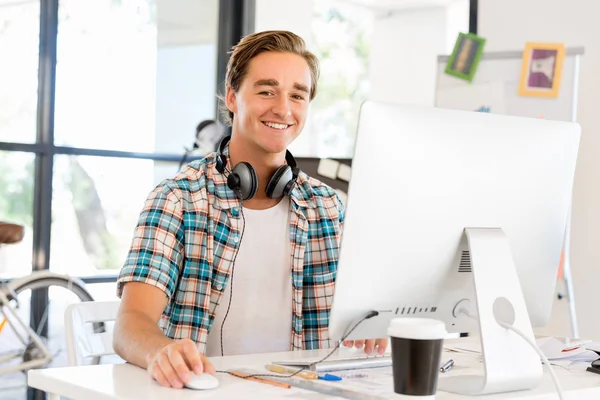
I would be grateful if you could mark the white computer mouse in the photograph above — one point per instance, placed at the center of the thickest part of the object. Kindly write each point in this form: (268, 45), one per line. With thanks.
(202, 382)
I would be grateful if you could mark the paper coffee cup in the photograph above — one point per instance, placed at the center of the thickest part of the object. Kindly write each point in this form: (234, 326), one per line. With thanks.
(416, 352)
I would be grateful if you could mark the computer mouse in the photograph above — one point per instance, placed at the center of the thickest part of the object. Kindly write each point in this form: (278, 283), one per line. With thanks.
(202, 382)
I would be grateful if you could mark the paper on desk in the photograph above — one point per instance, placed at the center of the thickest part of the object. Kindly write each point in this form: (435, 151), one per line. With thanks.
(365, 384)
(377, 381)
(470, 345)
(553, 348)
(593, 346)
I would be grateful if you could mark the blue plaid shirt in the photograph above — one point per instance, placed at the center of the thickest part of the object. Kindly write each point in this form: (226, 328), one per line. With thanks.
(189, 231)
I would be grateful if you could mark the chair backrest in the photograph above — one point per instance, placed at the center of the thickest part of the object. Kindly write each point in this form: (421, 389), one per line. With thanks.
(82, 340)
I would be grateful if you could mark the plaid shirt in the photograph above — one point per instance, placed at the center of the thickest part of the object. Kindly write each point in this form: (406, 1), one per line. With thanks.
(189, 231)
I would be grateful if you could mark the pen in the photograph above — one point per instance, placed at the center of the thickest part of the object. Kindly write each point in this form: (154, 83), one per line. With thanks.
(262, 380)
(304, 374)
(446, 367)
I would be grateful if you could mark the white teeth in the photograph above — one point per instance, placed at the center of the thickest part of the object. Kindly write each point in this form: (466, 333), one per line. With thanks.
(276, 126)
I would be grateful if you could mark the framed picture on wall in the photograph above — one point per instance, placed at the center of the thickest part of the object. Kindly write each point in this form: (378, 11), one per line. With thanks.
(465, 57)
(541, 70)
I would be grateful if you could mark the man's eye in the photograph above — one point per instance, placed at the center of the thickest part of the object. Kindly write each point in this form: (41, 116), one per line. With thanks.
(298, 97)
(265, 93)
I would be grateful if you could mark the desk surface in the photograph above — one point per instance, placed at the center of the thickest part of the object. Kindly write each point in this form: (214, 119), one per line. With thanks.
(127, 382)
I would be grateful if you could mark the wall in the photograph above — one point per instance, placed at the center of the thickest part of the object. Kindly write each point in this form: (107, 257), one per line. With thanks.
(405, 46)
(507, 25)
(457, 20)
(270, 14)
(185, 93)
(404, 50)
(186, 62)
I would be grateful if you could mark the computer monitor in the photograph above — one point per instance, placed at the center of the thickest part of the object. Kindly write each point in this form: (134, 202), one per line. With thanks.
(453, 209)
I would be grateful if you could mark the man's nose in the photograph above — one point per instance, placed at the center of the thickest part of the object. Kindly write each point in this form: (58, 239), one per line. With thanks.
(282, 108)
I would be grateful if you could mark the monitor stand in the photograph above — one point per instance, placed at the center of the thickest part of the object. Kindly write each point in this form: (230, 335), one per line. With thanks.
(509, 363)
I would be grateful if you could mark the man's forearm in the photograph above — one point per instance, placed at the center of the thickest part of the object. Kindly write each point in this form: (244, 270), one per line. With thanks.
(136, 336)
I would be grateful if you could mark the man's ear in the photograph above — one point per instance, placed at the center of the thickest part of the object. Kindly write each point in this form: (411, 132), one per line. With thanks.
(230, 97)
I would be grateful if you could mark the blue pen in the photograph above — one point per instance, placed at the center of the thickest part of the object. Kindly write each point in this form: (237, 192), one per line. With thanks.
(329, 377)
(280, 369)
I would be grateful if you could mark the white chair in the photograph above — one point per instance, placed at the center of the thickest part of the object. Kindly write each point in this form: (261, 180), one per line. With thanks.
(82, 342)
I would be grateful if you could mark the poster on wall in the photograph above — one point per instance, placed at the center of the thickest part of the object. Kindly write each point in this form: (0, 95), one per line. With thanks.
(465, 57)
(541, 70)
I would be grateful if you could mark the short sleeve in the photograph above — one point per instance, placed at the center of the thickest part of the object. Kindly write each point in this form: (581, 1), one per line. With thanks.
(157, 251)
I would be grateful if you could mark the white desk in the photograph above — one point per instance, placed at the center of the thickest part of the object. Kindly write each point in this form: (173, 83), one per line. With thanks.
(127, 382)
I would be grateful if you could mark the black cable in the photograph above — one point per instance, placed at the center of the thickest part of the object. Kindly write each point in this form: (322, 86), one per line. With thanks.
(371, 314)
(239, 195)
(232, 270)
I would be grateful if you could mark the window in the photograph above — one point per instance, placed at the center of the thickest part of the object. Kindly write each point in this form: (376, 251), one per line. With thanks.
(134, 75)
(96, 205)
(340, 39)
(106, 74)
(19, 43)
(131, 76)
(16, 206)
(103, 291)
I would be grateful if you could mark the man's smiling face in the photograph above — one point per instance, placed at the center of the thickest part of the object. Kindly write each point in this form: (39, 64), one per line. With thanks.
(271, 105)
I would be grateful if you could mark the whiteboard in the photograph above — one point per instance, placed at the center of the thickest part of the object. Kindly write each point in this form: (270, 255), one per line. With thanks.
(495, 88)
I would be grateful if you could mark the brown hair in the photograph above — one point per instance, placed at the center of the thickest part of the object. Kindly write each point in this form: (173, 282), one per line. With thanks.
(252, 45)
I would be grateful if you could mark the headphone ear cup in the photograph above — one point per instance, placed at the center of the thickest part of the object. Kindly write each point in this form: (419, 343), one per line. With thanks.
(279, 181)
(244, 181)
(288, 188)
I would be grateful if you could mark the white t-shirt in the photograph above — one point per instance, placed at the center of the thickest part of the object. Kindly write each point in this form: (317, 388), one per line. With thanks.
(260, 316)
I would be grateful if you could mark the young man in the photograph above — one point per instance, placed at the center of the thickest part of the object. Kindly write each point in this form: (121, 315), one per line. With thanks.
(237, 254)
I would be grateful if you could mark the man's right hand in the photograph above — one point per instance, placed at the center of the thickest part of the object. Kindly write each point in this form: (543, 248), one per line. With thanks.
(139, 340)
(174, 364)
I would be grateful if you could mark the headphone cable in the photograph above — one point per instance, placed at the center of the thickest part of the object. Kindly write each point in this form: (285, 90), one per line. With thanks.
(239, 196)
(232, 271)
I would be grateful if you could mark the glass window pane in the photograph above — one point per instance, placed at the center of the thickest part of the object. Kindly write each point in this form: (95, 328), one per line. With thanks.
(19, 46)
(134, 75)
(96, 205)
(16, 206)
(103, 291)
(340, 37)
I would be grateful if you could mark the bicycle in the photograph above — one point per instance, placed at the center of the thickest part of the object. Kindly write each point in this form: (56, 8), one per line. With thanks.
(34, 351)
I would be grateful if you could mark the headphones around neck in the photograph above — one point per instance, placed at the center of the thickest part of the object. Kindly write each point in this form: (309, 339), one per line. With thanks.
(244, 181)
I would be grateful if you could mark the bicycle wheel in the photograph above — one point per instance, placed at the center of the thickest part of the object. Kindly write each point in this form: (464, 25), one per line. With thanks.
(16, 346)
(62, 291)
